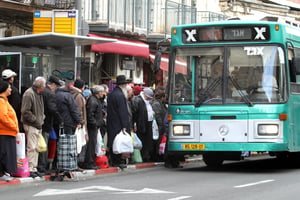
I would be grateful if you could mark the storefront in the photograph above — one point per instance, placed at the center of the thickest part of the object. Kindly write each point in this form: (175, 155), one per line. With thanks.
(45, 54)
(125, 56)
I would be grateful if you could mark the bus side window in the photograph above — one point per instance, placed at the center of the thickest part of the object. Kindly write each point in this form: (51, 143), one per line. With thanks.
(292, 72)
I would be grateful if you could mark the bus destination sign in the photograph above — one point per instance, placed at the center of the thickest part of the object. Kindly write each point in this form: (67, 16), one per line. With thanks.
(225, 33)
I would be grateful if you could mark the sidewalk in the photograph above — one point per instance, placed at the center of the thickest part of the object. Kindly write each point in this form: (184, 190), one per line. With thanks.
(85, 174)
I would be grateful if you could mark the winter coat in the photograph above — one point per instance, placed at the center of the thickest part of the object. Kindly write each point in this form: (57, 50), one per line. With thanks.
(117, 114)
(160, 113)
(80, 102)
(8, 120)
(67, 108)
(32, 109)
(94, 112)
(51, 111)
(139, 113)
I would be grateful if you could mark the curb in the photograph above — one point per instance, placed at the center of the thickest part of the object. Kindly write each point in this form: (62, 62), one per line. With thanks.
(82, 175)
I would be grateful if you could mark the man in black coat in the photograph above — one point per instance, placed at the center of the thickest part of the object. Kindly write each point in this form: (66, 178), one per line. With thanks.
(142, 113)
(117, 117)
(68, 110)
(51, 113)
(94, 123)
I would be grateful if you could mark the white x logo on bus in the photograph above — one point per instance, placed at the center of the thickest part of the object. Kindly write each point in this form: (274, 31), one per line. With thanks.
(260, 32)
(190, 35)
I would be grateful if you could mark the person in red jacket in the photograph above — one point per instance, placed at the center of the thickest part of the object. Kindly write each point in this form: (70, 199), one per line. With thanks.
(8, 131)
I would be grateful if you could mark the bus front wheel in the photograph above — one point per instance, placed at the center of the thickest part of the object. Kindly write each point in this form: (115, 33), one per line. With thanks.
(213, 159)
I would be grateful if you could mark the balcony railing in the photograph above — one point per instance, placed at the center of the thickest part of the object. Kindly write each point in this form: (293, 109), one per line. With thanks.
(143, 16)
(52, 4)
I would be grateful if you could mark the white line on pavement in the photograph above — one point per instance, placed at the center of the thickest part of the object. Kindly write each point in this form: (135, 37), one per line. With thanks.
(179, 198)
(251, 184)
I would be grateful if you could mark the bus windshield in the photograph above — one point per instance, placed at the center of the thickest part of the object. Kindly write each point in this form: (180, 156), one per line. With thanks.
(228, 75)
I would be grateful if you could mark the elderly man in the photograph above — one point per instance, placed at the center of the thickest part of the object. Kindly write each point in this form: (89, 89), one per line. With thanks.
(51, 114)
(142, 113)
(94, 123)
(32, 116)
(117, 117)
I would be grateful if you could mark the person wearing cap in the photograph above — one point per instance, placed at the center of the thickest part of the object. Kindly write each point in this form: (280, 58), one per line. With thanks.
(143, 116)
(32, 117)
(51, 114)
(15, 98)
(117, 117)
(8, 132)
(137, 90)
(94, 122)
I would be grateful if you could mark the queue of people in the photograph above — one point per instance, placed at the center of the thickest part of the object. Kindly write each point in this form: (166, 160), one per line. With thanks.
(51, 105)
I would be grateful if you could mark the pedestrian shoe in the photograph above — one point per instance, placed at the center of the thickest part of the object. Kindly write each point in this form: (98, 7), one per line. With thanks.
(79, 169)
(40, 174)
(6, 177)
(122, 166)
(33, 174)
(92, 167)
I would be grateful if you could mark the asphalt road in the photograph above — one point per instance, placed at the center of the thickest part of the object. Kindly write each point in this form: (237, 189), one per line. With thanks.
(262, 178)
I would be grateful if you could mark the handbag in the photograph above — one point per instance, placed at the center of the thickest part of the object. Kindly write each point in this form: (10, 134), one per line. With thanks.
(137, 143)
(100, 149)
(66, 151)
(42, 146)
(122, 143)
(79, 139)
(162, 145)
(102, 161)
(20, 145)
(52, 135)
(155, 131)
(22, 168)
(136, 156)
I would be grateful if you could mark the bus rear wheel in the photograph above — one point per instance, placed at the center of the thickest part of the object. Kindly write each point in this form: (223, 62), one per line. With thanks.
(213, 159)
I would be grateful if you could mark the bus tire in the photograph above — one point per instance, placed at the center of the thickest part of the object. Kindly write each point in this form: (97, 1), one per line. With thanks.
(172, 161)
(213, 159)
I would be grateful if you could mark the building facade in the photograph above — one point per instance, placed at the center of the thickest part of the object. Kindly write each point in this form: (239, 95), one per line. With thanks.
(141, 29)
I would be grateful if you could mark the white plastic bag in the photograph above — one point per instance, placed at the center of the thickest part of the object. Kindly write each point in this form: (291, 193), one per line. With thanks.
(137, 143)
(155, 131)
(80, 138)
(100, 149)
(20, 145)
(122, 143)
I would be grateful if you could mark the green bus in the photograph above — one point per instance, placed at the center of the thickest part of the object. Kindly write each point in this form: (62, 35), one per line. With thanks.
(234, 90)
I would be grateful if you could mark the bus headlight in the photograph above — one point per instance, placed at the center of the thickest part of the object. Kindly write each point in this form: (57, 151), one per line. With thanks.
(268, 129)
(182, 129)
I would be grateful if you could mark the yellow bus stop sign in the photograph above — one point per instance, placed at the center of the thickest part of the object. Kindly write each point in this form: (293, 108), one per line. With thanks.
(58, 21)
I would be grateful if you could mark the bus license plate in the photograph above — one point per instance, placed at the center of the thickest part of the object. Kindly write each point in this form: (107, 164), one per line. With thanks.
(193, 146)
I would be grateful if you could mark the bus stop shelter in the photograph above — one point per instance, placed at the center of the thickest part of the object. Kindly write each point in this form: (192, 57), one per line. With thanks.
(46, 54)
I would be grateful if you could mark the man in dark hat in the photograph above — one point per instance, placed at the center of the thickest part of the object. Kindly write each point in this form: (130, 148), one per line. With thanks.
(117, 117)
(51, 114)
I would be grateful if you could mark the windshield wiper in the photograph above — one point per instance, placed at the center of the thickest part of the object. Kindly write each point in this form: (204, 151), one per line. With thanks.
(241, 93)
(204, 95)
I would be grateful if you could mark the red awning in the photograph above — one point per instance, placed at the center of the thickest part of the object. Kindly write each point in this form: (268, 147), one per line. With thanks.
(180, 65)
(122, 46)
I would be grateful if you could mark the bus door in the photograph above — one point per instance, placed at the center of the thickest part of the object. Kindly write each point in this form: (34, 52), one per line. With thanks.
(12, 60)
(224, 126)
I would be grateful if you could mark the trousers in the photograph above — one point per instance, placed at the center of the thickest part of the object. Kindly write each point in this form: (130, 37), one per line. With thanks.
(32, 135)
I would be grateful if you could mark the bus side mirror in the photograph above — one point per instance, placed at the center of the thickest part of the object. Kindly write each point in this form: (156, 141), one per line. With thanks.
(296, 65)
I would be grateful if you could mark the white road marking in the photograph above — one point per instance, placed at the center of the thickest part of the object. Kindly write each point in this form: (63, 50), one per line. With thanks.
(147, 191)
(179, 198)
(251, 184)
(51, 192)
